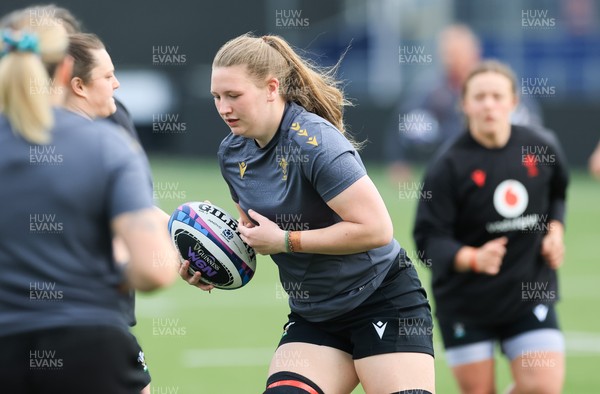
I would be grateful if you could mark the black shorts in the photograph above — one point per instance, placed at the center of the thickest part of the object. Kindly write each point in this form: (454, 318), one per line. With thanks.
(70, 360)
(456, 333)
(395, 318)
(140, 359)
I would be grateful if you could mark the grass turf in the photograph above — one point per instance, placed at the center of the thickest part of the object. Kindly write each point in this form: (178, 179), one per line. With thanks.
(222, 342)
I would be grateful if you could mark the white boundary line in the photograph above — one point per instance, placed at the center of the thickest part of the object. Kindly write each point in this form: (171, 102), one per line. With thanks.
(578, 343)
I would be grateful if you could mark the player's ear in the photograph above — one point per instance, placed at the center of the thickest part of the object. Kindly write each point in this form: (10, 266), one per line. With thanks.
(272, 89)
(77, 86)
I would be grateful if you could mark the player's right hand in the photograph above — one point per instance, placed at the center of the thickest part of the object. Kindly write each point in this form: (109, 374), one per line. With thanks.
(193, 280)
(490, 255)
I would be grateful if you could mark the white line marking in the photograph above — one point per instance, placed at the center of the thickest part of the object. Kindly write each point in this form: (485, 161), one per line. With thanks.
(578, 343)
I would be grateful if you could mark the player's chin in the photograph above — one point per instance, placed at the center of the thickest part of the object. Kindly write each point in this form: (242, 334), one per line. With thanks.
(111, 108)
(237, 130)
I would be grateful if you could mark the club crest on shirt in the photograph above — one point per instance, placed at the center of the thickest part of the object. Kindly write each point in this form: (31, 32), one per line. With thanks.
(478, 176)
(283, 163)
(529, 162)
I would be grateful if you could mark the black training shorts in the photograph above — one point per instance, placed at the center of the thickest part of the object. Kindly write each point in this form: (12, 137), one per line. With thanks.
(395, 318)
(71, 360)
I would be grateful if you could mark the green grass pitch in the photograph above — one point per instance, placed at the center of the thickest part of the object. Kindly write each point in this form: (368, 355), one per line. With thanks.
(221, 343)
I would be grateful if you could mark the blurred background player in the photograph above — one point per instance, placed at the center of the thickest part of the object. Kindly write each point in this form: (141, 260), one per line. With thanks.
(93, 81)
(493, 231)
(432, 117)
(356, 289)
(76, 183)
(90, 95)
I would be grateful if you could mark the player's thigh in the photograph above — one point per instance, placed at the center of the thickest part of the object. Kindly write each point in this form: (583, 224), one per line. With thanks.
(537, 361)
(539, 374)
(393, 372)
(476, 377)
(469, 352)
(472, 365)
(330, 368)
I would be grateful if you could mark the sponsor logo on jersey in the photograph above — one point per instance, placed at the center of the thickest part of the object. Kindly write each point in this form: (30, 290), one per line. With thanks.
(478, 176)
(510, 198)
(295, 126)
(380, 328)
(302, 133)
(532, 222)
(243, 166)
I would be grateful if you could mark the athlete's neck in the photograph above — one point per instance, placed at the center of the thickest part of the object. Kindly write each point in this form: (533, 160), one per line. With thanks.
(272, 125)
(78, 110)
(492, 140)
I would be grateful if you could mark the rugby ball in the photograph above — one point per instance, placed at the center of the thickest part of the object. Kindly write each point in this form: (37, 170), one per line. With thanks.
(207, 237)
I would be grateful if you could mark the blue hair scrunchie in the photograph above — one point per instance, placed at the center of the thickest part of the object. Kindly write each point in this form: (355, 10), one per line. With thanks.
(28, 43)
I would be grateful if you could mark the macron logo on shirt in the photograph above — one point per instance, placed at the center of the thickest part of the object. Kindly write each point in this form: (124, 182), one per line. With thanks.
(243, 167)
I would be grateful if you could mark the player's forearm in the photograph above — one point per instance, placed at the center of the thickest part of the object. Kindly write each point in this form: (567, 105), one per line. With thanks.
(341, 238)
(153, 258)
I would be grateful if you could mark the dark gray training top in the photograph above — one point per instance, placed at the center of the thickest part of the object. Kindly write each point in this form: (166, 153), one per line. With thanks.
(56, 204)
(307, 163)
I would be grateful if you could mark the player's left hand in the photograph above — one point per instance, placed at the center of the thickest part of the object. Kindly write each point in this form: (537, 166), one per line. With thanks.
(266, 238)
(193, 280)
(553, 247)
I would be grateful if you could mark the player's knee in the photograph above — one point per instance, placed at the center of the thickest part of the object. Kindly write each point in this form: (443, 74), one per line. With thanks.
(539, 386)
(291, 383)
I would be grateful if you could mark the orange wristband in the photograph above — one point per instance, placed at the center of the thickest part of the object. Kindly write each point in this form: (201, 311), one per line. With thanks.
(473, 261)
(294, 241)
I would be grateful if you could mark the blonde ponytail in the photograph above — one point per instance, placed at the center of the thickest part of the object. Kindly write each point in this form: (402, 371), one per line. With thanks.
(314, 88)
(27, 53)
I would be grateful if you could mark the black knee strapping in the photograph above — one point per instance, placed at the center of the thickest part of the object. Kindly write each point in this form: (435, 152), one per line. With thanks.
(291, 383)
(413, 391)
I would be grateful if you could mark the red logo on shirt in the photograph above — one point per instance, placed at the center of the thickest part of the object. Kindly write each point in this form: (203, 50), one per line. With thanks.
(531, 165)
(510, 197)
(478, 176)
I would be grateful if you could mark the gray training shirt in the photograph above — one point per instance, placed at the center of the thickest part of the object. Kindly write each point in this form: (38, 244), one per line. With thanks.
(56, 204)
(307, 163)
